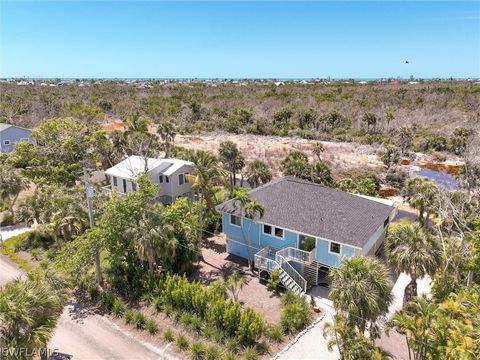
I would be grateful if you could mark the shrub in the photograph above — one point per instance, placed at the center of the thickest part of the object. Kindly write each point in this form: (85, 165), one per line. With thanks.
(250, 353)
(93, 293)
(274, 280)
(213, 353)
(129, 315)
(7, 219)
(232, 345)
(139, 319)
(196, 323)
(250, 327)
(168, 335)
(263, 347)
(151, 326)
(275, 333)
(107, 299)
(197, 350)
(182, 342)
(36, 253)
(118, 308)
(231, 317)
(296, 313)
(157, 303)
(186, 318)
(168, 310)
(230, 356)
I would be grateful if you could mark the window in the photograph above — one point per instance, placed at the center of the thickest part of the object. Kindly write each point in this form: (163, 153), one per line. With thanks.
(124, 184)
(6, 142)
(134, 186)
(271, 230)
(267, 229)
(279, 232)
(167, 179)
(160, 179)
(235, 220)
(335, 248)
(115, 182)
(181, 179)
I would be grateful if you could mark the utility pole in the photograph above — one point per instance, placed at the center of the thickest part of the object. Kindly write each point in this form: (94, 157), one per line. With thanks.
(89, 194)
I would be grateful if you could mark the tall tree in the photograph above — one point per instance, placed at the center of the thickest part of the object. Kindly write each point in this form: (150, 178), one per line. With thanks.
(205, 175)
(28, 313)
(362, 291)
(252, 210)
(414, 250)
(167, 133)
(232, 159)
(258, 173)
(318, 149)
(64, 144)
(296, 164)
(11, 184)
(154, 237)
(371, 120)
(421, 194)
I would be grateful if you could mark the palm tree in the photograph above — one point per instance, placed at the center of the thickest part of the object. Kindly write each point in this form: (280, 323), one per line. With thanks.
(11, 184)
(154, 238)
(252, 210)
(413, 250)
(167, 133)
(318, 149)
(258, 173)
(296, 164)
(232, 159)
(421, 193)
(205, 175)
(28, 313)
(361, 290)
(415, 321)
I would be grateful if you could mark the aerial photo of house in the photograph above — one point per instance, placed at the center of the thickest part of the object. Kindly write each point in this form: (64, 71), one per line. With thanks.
(306, 229)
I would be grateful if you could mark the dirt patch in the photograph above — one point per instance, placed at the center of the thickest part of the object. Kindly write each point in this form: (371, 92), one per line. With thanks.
(273, 149)
(216, 264)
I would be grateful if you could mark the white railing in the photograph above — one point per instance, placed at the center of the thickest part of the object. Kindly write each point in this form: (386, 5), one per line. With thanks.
(290, 270)
(291, 253)
(265, 259)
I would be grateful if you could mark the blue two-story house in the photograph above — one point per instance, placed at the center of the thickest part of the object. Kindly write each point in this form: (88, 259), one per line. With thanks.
(305, 227)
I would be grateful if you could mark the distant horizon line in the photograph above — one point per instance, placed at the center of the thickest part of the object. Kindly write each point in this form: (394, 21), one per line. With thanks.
(240, 78)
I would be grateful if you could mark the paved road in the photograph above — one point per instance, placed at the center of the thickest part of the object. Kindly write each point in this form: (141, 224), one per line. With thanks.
(92, 336)
(87, 335)
(8, 269)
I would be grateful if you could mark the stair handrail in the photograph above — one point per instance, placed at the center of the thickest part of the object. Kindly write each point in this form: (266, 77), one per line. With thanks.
(290, 271)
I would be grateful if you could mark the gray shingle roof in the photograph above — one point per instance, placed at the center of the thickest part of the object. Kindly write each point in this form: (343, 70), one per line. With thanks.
(317, 210)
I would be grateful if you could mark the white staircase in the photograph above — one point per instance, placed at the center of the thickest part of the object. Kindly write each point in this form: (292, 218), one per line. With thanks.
(270, 259)
(289, 283)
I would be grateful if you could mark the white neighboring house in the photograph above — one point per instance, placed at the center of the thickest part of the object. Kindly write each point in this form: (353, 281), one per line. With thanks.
(169, 174)
(11, 134)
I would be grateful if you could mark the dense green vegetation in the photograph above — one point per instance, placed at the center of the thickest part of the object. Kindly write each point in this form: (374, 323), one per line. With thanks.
(146, 250)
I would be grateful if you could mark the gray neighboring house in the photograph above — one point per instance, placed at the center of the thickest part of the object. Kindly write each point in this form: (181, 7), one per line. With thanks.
(169, 174)
(11, 134)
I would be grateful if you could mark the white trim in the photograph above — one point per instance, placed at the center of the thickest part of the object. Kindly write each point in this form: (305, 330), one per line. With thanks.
(313, 236)
(263, 229)
(330, 246)
(273, 230)
(24, 139)
(230, 220)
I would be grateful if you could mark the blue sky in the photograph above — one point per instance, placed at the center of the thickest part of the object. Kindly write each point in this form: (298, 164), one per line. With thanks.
(239, 39)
